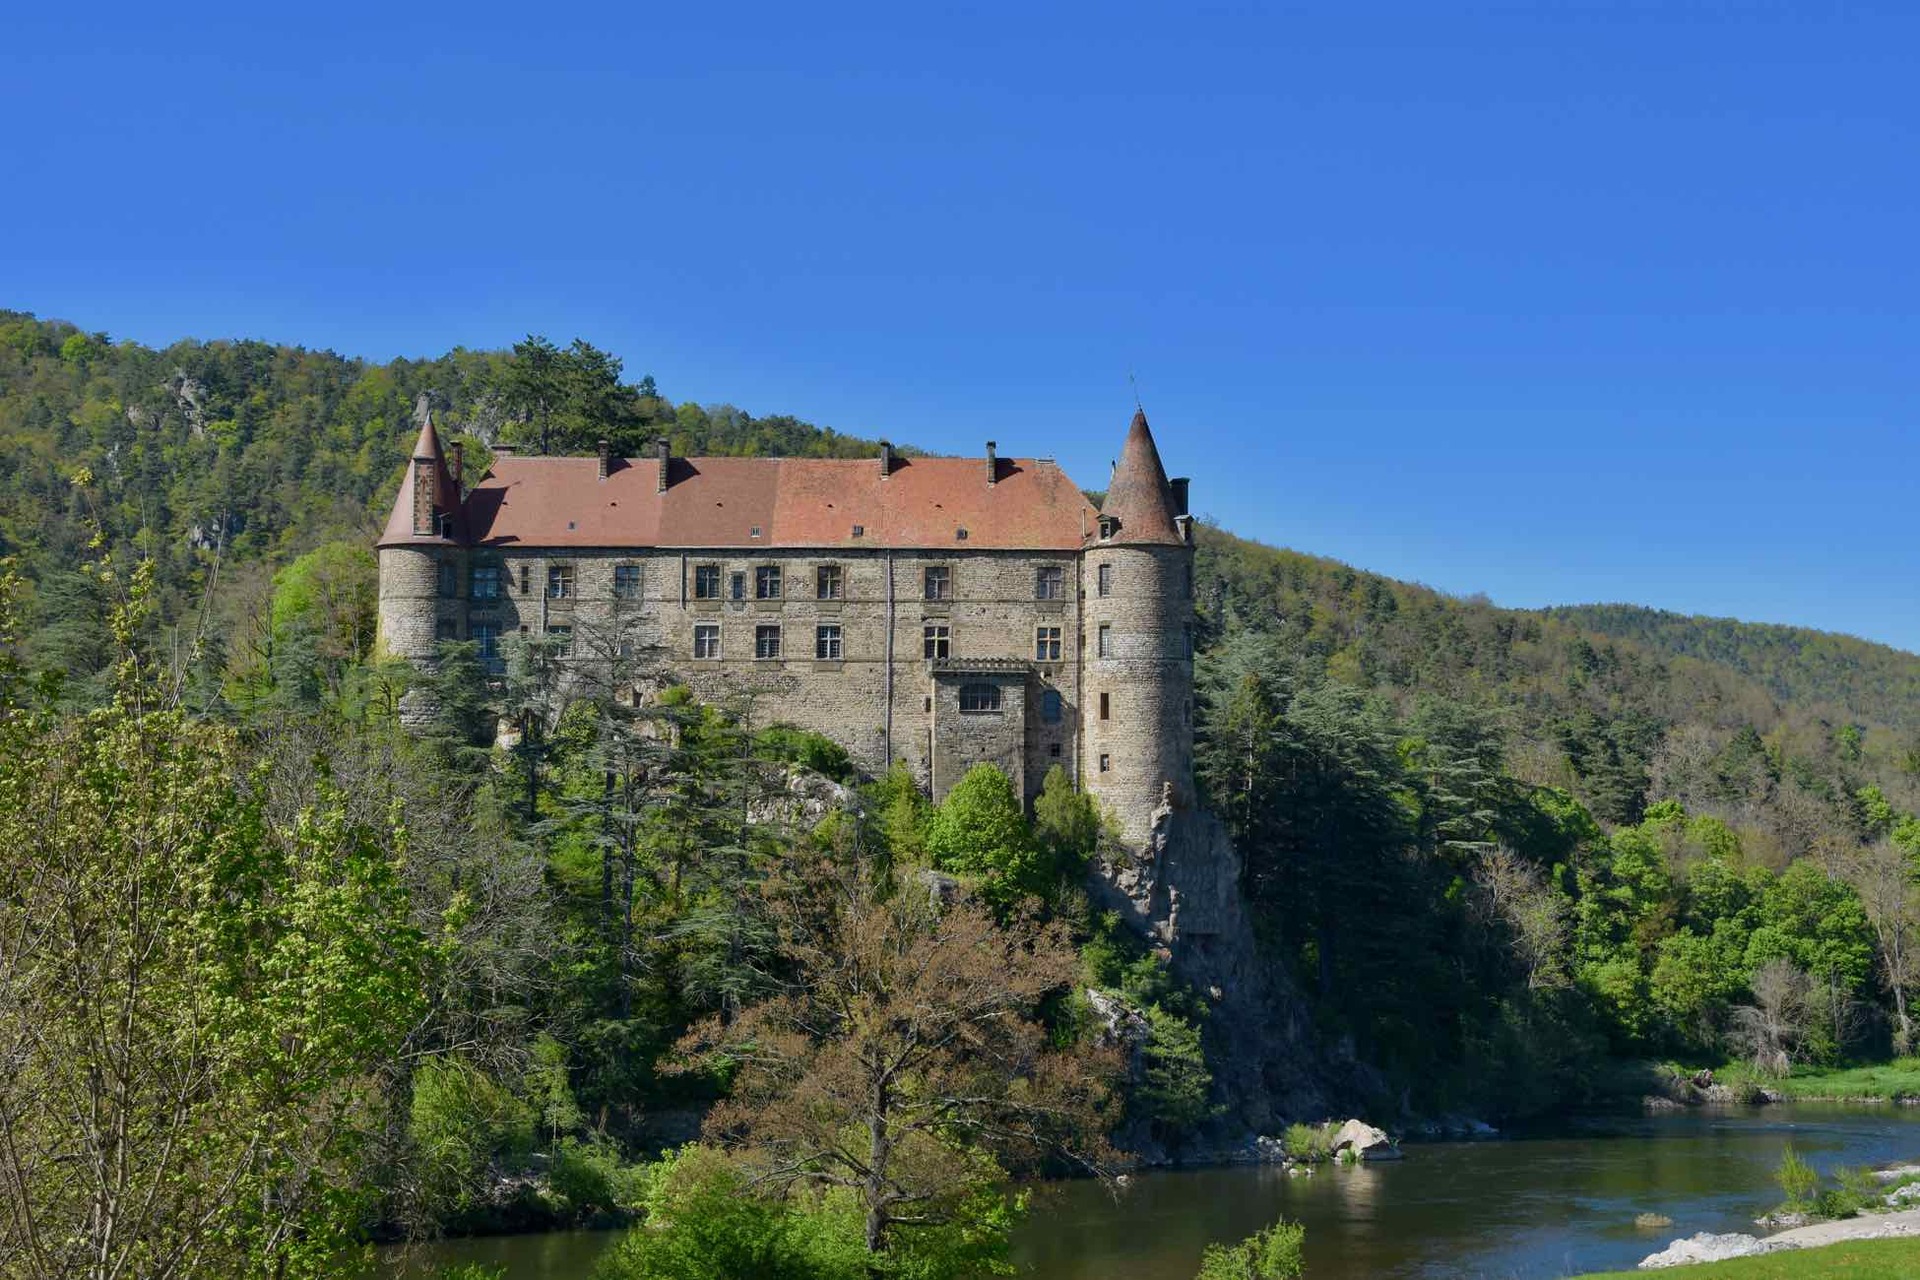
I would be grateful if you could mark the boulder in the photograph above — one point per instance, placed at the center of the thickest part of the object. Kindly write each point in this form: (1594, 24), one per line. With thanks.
(1704, 1247)
(1364, 1141)
(1120, 1024)
(942, 889)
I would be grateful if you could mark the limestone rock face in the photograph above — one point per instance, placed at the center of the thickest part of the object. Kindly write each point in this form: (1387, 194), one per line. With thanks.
(1364, 1141)
(1180, 889)
(803, 801)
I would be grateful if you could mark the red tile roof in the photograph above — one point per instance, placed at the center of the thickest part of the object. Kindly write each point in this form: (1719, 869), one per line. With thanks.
(446, 508)
(1139, 500)
(795, 502)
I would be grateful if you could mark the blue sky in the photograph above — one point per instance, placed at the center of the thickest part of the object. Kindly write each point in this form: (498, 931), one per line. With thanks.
(1559, 302)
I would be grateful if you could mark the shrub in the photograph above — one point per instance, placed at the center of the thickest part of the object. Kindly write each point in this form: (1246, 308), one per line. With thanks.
(805, 748)
(1272, 1254)
(462, 1122)
(1309, 1142)
(1798, 1180)
(592, 1176)
(980, 829)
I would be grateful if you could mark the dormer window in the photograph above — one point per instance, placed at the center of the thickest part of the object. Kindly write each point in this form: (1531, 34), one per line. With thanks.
(1107, 525)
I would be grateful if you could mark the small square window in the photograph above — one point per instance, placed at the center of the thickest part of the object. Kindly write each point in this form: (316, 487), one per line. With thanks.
(737, 586)
(939, 582)
(766, 642)
(1053, 750)
(980, 699)
(1049, 583)
(706, 641)
(960, 534)
(706, 582)
(1046, 644)
(559, 581)
(1106, 762)
(486, 582)
(766, 582)
(826, 642)
(829, 582)
(562, 639)
(626, 582)
(755, 533)
(859, 531)
(939, 641)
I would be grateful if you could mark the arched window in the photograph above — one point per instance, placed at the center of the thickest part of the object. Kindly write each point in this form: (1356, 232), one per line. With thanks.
(979, 698)
(1050, 706)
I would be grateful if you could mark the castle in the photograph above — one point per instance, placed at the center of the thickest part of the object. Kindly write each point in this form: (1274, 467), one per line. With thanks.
(936, 611)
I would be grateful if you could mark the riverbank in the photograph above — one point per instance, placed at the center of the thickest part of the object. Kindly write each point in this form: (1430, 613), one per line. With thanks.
(1850, 1260)
(1662, 1085)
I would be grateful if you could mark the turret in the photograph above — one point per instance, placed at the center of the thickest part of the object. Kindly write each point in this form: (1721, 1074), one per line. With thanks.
(1137, 583)
(422, 555)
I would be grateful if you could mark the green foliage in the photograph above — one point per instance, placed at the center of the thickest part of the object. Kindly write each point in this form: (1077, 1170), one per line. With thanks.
(805, 748)
(1310, 1143)
(1275, 1253)
(591, 1176)
(1068, 824)
(1176, 1086)
(461, 1124)
(981, 830)
(1798, 1181)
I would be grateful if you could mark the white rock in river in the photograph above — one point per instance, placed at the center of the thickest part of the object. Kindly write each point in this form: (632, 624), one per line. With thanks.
(1364, 1141)
(1704, 1247)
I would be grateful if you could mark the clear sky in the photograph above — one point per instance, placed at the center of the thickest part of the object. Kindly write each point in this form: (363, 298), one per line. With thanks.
(1557, 301)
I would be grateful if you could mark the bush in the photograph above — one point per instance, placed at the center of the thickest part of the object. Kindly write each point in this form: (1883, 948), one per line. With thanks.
(1273, 1254)
(1309, 1142)
(461, 1123)
(1798, 1180)
(805, 748)
(592, 1177)
(980, 830)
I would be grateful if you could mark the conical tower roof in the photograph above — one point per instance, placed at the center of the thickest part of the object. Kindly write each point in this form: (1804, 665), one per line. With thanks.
(1139, 500)
(447, 507)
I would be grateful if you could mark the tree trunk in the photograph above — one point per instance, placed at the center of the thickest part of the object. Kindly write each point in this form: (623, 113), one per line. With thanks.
(878, 1153)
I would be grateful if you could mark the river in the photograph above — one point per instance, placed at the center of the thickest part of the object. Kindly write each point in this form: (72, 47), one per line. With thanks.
(1554, 1202)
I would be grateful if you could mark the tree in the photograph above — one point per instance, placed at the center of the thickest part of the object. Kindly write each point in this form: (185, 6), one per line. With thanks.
(1271, 1254)
(981, 830)
(1771, 1031)
(902, 1059)
(1518, 896)
(193, 998)
(1882, 875)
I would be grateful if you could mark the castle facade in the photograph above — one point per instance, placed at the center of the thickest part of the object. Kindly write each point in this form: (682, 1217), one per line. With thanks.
(936, 611)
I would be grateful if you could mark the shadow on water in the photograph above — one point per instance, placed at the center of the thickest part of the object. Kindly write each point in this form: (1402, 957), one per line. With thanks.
(1545, 1203)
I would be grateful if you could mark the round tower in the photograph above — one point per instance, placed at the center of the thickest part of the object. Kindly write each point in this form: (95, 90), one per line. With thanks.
(422, 556)
(1136, 581)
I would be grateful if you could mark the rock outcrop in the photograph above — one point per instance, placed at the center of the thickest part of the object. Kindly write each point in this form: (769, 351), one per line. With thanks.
(1365, 1141)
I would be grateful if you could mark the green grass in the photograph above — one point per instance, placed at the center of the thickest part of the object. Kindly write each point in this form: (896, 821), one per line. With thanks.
(1888, 1080)
(1852, 1260)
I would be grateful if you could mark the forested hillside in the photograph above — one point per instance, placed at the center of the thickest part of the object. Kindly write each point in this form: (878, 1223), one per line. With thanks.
(1484, 851)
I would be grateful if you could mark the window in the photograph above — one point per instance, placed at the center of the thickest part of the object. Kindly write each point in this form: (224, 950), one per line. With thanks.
(449, 579)
(1107, 524)
(939, 641)
(939, 582)
(766, 582)
(562, 638)
(766, 642)
(1106, 762)
(486, 637)
(486, 582)
(706, 582)
(859, 531)
(1104, 576)
(1050, 707)
(1046, 644)
(826, 642)
(626, 582)
(706, 641)
(1054, 750)
(525, 589)
(828, 582)
(1106, 706)
(979, 699)
(445, 630)
(737, 586)
(1049, 582)
(1106, 641)
(559, 581)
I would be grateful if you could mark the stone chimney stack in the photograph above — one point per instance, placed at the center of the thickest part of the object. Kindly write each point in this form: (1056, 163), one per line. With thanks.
(662, 452)
(459, 465)
(606, 457)
(1179, 486)
(886, 459)
(993, 466)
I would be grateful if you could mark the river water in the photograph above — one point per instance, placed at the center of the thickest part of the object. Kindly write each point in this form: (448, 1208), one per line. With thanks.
(1549, 1203)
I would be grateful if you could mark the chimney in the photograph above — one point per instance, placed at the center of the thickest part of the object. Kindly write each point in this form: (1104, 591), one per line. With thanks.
(886, 459)
(606, 457)
(459, 463)
(993, 466)
(505, 450)
(662, 450)
(1179, 486)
